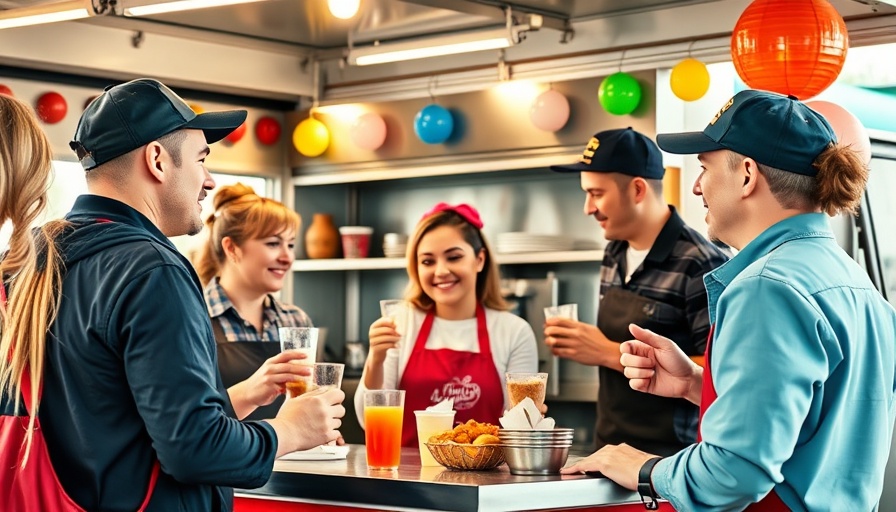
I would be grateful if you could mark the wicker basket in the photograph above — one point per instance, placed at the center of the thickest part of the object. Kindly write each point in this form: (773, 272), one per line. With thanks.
(467, 456)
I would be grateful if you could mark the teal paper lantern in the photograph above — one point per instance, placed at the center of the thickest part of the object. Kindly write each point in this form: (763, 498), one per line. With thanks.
(619, 94)
(433, 124)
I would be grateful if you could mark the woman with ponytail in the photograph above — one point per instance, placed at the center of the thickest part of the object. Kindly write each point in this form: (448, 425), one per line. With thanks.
(248, 254)
(30, 283)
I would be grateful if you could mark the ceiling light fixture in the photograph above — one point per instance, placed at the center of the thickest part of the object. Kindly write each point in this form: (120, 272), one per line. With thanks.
(343, 9)
(46, 13)
(448, 44)
(179, 5)
(445, 44)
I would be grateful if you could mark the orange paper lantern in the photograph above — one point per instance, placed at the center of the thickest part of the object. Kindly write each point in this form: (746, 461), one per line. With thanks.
(794, 47)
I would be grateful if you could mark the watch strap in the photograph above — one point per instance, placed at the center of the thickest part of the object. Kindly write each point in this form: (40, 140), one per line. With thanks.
(645, 486)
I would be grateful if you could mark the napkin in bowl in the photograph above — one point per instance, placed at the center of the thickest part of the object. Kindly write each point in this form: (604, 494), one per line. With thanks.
(525, 416)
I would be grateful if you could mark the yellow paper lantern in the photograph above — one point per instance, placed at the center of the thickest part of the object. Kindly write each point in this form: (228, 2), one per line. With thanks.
(311, 137)
(689, 79)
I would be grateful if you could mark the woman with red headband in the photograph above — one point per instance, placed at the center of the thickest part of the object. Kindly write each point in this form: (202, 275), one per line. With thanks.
(457, 338)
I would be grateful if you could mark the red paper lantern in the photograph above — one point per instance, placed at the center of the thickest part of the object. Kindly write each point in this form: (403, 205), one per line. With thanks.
(51, 107)
(794, 47)
(237, 134)
(267, 130)
(5, 90)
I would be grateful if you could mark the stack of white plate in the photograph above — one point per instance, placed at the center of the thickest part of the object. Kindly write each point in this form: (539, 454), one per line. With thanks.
(531, 242)
(395, 245)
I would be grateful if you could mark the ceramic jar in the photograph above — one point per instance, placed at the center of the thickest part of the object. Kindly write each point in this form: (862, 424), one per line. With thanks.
(322, 238)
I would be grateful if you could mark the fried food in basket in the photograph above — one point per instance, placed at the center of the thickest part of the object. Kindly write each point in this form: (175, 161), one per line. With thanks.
(471, 445)
(486, 439)
(467, 433)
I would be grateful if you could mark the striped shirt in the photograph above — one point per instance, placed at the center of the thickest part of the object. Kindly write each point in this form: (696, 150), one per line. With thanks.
(276, 315)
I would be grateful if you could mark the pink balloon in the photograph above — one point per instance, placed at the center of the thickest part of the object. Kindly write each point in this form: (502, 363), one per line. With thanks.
(549, 111)
(849, 130)
(369, 131)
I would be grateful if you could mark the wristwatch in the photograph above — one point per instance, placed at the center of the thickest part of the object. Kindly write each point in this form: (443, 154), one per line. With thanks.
(645, 486)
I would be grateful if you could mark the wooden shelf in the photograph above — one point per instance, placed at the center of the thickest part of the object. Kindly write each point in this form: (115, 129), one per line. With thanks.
(394, 263)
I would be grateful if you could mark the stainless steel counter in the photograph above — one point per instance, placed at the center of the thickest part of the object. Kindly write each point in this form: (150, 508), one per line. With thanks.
(349, 482)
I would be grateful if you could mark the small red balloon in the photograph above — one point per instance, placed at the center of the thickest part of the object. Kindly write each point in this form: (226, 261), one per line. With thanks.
(267, 130)
(51, 107)
(237, 134)
(5, 90)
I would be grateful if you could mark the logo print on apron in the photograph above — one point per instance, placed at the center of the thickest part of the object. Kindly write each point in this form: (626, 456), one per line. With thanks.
(464, 392)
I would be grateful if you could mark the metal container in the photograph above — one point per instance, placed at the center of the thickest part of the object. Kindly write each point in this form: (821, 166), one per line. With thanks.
(535, 460)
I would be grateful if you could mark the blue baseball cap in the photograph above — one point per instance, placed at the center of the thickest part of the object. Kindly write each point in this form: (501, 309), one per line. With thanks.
(624, 151)
(775, 130)
(133, 114)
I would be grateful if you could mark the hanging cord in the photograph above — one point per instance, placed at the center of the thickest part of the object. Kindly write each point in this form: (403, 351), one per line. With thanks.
(433, 82)
(315, 87)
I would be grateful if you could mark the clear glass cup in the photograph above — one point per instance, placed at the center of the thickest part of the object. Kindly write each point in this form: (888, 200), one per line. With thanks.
(304, 340)
(327, 375)
(383, 413)
(396, 309)
(570, 311)
(523, 384)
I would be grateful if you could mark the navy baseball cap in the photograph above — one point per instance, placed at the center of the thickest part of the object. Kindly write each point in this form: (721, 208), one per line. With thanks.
(133, 114)
(624, 151)
(775, 130)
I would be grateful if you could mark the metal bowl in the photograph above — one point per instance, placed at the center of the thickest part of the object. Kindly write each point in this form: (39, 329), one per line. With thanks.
(467, 456)
(535, 460)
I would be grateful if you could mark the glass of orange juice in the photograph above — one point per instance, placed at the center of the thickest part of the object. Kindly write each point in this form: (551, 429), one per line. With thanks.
(383, 413)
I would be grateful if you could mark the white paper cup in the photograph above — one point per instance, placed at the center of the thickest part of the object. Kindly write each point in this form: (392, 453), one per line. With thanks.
(429, 423)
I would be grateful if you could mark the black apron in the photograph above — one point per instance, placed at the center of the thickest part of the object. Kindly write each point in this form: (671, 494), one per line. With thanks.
(624, 415)
(238, 360)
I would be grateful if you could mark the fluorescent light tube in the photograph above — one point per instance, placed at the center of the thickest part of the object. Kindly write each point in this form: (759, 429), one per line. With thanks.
(179, 5)
(47, 13)
(431, 47)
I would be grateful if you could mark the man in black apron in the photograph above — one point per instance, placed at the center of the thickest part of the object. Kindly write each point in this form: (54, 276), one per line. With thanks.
(651, 275)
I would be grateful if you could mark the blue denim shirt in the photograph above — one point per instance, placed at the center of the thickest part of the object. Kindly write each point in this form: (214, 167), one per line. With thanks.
(803, 363)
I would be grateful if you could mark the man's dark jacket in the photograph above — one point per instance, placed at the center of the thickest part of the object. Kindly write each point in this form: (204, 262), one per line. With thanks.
(131, 375)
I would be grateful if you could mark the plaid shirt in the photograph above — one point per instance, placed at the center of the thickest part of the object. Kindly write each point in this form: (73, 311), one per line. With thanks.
(671, 274)
(276, 315)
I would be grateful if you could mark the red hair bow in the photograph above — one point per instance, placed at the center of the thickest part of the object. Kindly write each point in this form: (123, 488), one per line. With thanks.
(464, 210)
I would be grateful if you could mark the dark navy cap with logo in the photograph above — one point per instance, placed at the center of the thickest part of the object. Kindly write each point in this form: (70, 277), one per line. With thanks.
(133, 114)
(624, 151)
(775, 130)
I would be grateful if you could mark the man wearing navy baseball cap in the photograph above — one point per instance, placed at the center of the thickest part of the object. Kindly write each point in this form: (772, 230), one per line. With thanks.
(651, 274)
(797, 395)
(139, 411)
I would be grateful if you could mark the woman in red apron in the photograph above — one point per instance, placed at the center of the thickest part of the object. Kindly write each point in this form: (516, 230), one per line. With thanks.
(454, 338)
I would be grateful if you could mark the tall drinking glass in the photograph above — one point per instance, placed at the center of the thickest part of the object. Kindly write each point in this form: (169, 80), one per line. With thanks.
(327, 375)
(303, 339)
(383, 413)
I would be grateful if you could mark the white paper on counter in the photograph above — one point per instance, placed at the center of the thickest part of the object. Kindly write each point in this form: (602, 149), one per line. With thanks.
(326, 452)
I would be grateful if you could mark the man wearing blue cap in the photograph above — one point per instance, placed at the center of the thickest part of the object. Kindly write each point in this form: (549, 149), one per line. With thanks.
(133, 408)
(797, 396)
(651, 274)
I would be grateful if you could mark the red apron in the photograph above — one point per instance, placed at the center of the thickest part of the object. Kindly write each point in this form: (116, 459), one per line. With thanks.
(771, 502)
(435, 375)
